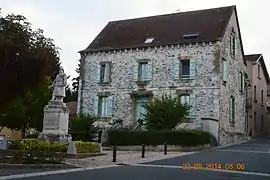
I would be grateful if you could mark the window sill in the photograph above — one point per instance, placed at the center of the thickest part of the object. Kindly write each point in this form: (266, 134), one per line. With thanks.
(104, 118)
(142, 82)
(259, 77)
(232, 123)
(262, 105)
(104, 84)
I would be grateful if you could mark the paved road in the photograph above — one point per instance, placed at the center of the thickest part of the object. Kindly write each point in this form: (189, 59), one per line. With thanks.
(249, 161)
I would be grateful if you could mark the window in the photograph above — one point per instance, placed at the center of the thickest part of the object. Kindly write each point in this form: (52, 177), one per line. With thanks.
(142, 71)
(254, 93)
(149, 40)
(103, 106)
(139, 109)
(103, 73)
(262, 124)
(262, 96)
(189, 100)
(232, 43)
(255, 121)
(259, 70)
(184, 69)
(232, 109)
(225, 70)
(241, 82)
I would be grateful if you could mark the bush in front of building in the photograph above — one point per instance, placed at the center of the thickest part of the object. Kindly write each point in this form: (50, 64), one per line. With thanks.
(38, 145)
(185, 138)
(164, 113)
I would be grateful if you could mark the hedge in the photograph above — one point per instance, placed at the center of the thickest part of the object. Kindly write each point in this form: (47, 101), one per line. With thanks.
(185, 138)
(38, 145)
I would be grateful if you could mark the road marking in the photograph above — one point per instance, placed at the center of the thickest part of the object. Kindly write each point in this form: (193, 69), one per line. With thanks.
(245, 151)
(53, 172)
(204, 169)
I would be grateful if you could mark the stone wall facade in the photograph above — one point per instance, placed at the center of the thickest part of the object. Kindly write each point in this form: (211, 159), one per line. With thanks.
(211, 95)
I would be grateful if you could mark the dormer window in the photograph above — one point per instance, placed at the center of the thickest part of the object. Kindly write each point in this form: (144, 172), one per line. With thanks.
(149, 40)
(190, 35)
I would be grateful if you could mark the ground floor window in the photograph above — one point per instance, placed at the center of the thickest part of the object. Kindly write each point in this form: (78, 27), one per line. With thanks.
(189, 100)
(103, 106)
(139, 109)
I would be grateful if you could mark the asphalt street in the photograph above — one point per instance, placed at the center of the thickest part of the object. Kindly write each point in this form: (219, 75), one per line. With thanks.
(248, 161)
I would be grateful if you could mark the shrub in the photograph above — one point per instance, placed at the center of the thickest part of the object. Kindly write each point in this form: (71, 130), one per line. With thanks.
(182, 138)
(37, 145)
(164, 113)
(81, 127)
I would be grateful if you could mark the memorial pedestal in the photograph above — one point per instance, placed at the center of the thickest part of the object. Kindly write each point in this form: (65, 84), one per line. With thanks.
(55, 123)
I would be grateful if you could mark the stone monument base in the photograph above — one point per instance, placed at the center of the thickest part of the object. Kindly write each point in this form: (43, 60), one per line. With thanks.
(55, 123)
(55, 137)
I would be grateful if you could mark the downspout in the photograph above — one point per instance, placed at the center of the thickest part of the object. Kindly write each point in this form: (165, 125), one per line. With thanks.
(81, 84)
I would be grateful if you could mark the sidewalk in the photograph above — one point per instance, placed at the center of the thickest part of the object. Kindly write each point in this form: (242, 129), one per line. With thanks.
(122, 157)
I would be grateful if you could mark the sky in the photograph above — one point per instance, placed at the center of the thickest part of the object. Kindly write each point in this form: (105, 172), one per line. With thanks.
(74, 24)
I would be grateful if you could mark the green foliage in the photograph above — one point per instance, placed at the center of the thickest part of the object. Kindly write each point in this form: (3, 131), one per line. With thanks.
(81, 127)
(185, 138)
(26, 57)
(164, 113)
(35, 145)
(26, 111)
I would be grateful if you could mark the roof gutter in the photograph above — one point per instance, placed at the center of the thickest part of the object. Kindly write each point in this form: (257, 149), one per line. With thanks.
(257, 60)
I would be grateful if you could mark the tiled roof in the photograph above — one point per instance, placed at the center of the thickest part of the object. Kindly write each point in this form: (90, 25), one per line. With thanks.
(254, 57)
(168, 29)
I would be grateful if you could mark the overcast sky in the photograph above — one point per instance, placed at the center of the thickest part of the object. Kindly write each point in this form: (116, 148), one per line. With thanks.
(73, 24)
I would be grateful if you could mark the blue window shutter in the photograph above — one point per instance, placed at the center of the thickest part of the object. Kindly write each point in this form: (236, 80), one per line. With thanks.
(96, 105)
(192, 69)
(225, 70)
(240, 81)
(243, 82)
(109, 106)
(192, 103)
(176, 65)
(98, 74)
(135, 71)
(149, 71)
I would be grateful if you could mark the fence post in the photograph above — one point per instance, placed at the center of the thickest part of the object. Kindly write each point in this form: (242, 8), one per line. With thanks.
(165, 148)
(143, 150)
(114, 154)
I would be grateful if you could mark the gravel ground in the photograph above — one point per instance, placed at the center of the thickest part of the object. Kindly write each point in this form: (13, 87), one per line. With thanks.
(125, 157)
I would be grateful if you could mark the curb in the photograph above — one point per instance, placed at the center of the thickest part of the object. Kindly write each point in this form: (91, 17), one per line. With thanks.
(232, 144)
(33, 166)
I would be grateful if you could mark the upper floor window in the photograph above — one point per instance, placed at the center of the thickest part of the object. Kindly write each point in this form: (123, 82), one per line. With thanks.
(232, 42)
(261, 96)
(255, 93)
(184, 69)
(232, 109)
(142, 71)
(241, 81)
(259, 70)
(225, 70)
(103, 73)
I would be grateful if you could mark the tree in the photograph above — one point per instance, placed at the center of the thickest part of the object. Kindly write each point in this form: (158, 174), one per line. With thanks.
(81, 127)
(26, 57)
(72, 93)
(164, 113)
(26, 111)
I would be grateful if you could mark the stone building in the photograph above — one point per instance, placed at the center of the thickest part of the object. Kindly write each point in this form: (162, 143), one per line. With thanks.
(257, 106)
(197, 56)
